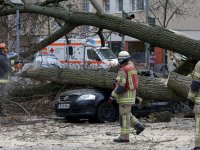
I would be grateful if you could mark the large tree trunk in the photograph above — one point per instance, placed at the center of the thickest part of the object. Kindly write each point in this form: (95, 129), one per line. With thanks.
(156, 36)
(149, 88)
(179, 84)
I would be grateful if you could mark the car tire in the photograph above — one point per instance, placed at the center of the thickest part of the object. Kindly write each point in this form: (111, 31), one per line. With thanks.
(176, 108)
(106, 113)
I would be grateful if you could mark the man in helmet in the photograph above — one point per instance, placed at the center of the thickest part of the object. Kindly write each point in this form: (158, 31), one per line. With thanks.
(125, 94)
(4, 72)
(194, 95)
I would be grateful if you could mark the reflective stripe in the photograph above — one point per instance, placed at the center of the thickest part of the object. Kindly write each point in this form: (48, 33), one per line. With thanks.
(197, 100)
(4, 81)
(132, 72)
(190, 94)
(196, 74)
(114, 94)
(124, 123)
(126, 100)
(130, 80)
(12, 62)
(123, 80)
(125, 131)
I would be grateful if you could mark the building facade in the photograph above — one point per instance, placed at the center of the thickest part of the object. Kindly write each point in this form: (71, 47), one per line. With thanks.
(188, 25)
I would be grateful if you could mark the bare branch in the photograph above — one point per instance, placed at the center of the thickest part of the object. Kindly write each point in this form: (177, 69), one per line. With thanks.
(175, 11)
(157, 18)
(101, 37)
(50, 39)
(24, 2)
(97, 7)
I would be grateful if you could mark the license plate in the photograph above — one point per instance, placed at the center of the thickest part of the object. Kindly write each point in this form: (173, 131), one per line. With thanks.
(63, 106)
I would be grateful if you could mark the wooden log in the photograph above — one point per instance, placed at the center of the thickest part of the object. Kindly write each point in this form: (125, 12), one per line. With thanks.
(150, 88)
(179, 84)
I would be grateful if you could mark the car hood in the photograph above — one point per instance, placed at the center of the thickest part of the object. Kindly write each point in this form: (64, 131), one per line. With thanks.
(85, 91)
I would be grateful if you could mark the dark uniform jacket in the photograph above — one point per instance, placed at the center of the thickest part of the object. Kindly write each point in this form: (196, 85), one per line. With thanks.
(4, 66)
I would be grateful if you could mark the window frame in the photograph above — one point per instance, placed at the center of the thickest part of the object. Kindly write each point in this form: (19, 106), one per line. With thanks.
(137, 5)
(85, 5)
(106, 4)
(120, 5)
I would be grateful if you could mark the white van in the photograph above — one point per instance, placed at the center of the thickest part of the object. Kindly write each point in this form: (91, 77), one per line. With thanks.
(82, 54)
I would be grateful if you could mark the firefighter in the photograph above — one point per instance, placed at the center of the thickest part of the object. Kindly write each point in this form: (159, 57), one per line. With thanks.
(4, 73)
(125, 94)
(194, 95)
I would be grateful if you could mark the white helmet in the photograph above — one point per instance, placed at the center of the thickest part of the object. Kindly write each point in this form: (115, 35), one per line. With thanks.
(123, 57)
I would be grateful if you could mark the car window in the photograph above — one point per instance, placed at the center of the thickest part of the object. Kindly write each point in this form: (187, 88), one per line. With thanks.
(92, 55)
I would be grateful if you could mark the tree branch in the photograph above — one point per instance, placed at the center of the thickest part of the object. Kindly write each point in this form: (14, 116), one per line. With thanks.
(175, 11)
(101, 37)
(97, 7)
(50, 39)
(156, 36)
(47, 2)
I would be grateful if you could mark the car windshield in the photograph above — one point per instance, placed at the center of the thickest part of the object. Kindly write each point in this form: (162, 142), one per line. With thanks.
(107, 53)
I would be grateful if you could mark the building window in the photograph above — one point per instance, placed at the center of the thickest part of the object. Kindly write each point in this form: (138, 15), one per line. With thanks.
(85, 29)
(85, 5)
(120, 5)
(137, 5)
(107, 5)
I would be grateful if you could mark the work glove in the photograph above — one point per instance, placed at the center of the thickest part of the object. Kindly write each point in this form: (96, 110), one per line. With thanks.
(110, 100)
(138, 101)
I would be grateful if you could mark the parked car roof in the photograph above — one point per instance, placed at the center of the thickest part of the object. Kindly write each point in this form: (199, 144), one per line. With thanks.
(47, 60)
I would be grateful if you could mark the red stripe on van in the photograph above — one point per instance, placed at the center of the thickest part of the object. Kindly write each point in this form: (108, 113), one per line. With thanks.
(79, 62)
(64, 44)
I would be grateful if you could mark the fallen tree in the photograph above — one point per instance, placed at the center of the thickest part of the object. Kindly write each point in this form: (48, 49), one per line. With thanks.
(179, 84)
(150, 88)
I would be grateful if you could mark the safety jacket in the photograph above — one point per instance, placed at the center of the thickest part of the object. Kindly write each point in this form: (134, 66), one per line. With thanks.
(126, 78)
(195, 95)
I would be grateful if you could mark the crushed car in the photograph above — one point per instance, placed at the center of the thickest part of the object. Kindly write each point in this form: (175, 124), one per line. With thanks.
(91, 103)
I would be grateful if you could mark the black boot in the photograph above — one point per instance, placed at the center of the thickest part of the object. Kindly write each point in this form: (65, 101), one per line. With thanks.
(120, 140)
(196, 148)
(139, 128)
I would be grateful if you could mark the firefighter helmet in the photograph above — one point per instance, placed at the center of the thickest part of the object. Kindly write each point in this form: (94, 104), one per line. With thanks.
(123, 57)
(2, 45)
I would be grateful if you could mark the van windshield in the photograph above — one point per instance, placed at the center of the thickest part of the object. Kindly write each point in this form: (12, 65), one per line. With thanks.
(107, 53)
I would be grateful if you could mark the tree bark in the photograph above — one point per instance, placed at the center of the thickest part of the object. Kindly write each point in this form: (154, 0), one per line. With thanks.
(179, 84)
(149, 88)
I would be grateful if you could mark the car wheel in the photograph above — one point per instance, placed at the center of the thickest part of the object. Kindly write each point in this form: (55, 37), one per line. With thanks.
(106, 113)
(176, 108)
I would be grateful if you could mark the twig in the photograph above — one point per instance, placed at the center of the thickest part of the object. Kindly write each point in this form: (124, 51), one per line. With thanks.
(20, 106)
(158, 142)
